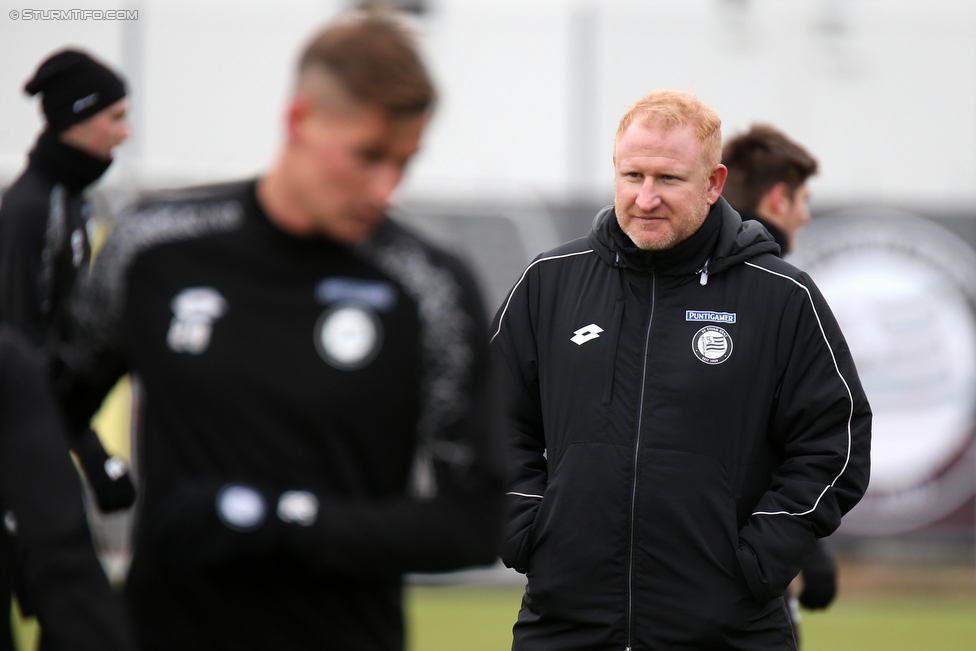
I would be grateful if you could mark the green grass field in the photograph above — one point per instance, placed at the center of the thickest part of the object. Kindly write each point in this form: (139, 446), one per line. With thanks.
(893, 624)
(480, 618)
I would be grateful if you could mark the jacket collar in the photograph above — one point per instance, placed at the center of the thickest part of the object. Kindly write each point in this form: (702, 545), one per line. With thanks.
(64, 164)
(722, 241)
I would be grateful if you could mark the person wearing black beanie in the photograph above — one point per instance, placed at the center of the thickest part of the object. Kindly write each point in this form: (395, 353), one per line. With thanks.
(44, 241)
(75, 87)
(44, 217)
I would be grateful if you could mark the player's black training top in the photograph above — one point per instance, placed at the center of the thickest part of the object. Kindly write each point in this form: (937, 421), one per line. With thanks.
(44, 237)
(317, 421)
(43, 519)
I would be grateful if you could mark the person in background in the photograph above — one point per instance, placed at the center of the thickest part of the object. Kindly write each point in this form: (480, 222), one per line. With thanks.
(684, 414)
(44, 217)
(318, 414)
(46, 538)
(44, 225)
(767, 182)
(44, 233)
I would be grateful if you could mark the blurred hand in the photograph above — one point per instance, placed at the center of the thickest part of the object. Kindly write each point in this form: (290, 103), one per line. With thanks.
(819, 579)
(108, 476)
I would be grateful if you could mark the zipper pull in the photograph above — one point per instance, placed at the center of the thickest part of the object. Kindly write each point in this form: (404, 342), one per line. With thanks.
(704, 274)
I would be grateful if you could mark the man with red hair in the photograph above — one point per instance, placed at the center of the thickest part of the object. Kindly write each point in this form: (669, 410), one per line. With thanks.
(685, 417)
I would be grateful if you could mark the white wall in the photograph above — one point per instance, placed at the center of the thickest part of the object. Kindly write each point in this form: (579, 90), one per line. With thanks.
(882, 91)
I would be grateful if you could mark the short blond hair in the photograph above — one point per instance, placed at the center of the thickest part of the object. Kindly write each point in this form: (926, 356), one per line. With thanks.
(669, 109)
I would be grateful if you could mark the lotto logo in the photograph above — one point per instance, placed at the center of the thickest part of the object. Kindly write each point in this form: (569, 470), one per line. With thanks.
(585, 334)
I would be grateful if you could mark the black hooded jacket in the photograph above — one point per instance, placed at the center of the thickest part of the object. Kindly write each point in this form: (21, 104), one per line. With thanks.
(685, 424)
(44, 237)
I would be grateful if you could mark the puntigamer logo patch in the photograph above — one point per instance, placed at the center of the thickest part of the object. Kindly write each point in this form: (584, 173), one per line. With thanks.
(707, 315)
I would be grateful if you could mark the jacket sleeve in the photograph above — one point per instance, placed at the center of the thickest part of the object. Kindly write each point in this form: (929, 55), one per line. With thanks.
(92, 358)
(514, 345)
(23, 220)
(821, 424)
(39, 486)
(457, 522)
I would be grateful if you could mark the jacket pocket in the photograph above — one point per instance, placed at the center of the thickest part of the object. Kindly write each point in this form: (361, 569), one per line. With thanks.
(578, 540)
(516, 542)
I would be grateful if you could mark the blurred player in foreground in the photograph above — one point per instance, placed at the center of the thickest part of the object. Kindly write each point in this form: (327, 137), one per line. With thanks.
(318, 414)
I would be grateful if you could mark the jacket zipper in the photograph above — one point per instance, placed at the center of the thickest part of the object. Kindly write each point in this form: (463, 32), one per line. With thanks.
(703, 279)
(633, 496)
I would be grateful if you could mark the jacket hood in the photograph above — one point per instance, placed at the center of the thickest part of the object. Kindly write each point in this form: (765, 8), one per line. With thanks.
(722, 241)
(778, 235)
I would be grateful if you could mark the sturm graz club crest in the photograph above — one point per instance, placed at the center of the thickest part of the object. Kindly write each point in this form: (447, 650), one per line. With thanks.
(712, 345)
(348, 337)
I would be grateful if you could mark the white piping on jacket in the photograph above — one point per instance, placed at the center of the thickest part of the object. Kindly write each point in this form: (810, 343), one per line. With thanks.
(515, 288)
(524, 495)
(847, 387)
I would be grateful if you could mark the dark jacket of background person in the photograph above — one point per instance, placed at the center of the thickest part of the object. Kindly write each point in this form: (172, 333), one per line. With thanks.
(44, 237)
(41, 505)
(251, 399)
(670, 479)
(44, 247)
(43, 217)
(778, 235)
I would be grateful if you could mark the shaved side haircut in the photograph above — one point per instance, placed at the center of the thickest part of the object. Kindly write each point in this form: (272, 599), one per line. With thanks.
(369, 60)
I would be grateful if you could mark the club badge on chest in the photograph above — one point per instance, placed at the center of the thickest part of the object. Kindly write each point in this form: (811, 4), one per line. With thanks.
(348, 337)
(195, 310)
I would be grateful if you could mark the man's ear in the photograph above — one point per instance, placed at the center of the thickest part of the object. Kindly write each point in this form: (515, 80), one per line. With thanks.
(716, 182)
(778, 198)
(297, 116)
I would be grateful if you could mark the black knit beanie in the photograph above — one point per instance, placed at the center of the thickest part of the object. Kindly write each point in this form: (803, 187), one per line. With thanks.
(75, 87)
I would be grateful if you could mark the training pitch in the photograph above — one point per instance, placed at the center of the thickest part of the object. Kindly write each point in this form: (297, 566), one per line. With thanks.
(480, 618)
